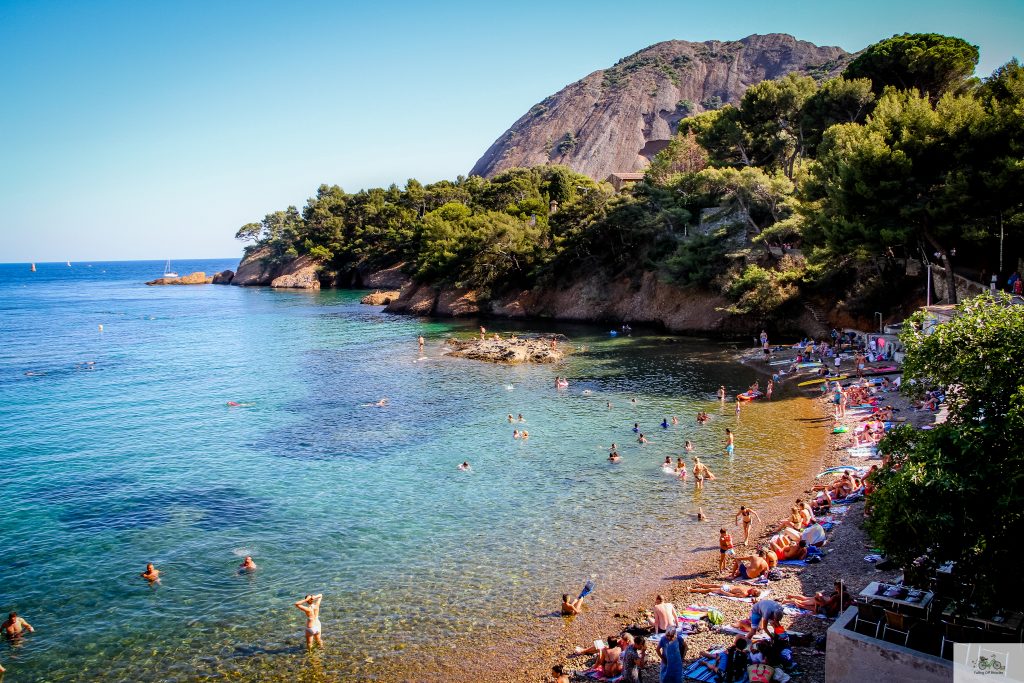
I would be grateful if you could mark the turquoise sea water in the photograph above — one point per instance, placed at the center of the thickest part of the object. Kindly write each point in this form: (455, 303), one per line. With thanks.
(118, 449)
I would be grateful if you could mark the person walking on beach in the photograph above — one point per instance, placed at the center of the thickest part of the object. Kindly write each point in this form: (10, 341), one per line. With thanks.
(730, 442)
(671, 650)
(745, 513)
(310, 606)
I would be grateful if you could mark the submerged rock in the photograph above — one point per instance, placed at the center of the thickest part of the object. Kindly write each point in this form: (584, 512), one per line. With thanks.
(511, 350)
(196, 278)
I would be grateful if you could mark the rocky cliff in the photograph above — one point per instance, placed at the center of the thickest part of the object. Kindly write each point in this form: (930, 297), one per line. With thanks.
(257, 270)
(616, 119)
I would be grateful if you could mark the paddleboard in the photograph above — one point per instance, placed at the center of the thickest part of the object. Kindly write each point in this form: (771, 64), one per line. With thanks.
(820, 380)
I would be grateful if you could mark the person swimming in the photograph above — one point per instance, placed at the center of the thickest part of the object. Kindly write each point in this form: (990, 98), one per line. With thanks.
(675, 420)
(525, 435)
(688, 447)
(464, 466)
(664, 423)
(382, 402)
(247, 565)
(641, 438)
(614, 456)
(515, 433)
(152, 574)
(510, 418)
(521, 418)
(636, 427)
(668, 462)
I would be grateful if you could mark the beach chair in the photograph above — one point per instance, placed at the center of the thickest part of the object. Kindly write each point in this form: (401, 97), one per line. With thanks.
(900, 623)
(869, 615)
(955, 633)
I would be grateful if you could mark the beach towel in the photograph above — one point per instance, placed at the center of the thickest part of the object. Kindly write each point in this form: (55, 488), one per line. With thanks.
(699, 671)
(793, 563)
(759, 581)
(839, 510)
(596, 675)
(791, 611)
(731, 630)
(873, 558)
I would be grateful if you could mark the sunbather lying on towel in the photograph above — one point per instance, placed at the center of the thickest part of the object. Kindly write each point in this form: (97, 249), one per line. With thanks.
(829, 603)
(735, 591)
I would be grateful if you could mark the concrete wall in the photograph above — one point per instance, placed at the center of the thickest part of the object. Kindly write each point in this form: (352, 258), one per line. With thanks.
(862, 659)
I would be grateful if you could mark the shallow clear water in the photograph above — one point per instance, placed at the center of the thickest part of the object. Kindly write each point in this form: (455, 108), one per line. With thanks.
(119, 449)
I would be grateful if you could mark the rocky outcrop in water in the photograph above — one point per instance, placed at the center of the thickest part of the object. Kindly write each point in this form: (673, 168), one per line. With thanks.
(302, 273)
(511, 350)
(257, 269)
(224, 277)
(197, 278)
(616, 119)
(379, 298)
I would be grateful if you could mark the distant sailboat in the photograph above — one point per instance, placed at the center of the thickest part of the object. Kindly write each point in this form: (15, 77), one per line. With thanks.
(33, 267)
(167, 270)
(69, 264)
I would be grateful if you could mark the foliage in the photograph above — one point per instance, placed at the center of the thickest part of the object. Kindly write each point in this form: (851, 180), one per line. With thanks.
(682, 155)
(929, 63)
(762, 291)
(954, 493)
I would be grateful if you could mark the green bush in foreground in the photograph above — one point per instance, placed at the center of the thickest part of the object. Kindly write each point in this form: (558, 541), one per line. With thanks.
(955, 492)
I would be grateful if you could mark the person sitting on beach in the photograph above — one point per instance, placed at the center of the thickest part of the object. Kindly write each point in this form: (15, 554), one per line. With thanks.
(608, 662)
(745, 513)
(571, 607)
(770, 557)
(152, 574)
(634, 657)
(663, 615)
(730, 665)
(247, 564)
(15, 626)
(794, 521)
(725, 548)
(749, 568)
(310, 606)
(558, 674)
(728, 589)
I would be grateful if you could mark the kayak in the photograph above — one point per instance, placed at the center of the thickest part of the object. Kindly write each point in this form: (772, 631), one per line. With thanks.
(821, 379)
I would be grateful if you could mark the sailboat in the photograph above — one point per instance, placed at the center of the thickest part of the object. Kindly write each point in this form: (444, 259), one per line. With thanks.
(69, 264)
(33, 267)
(167, 270)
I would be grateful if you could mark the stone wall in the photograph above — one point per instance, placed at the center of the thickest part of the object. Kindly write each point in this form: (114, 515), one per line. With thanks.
(965, 289)
(852, 656)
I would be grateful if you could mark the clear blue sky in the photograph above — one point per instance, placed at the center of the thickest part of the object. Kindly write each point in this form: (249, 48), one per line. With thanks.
(155, 129)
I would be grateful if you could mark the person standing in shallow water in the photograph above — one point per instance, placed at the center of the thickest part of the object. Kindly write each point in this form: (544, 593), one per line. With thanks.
(310, 606)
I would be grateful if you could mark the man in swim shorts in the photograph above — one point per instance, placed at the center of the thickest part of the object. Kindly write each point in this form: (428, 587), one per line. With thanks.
(152, 574)
(765, 614)
(751, 568)
(730, 443)
(310, 606)
(664, 615)
(569, 606)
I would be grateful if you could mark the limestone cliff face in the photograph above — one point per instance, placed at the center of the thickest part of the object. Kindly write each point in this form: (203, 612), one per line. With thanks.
(646, 301)
(255, 270)
(616, 119)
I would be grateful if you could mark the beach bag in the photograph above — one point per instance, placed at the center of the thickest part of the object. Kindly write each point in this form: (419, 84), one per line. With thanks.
(774, 574)
(760, 673)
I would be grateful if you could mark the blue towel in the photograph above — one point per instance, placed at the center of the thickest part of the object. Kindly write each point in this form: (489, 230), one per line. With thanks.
(793, 563)
(698, 671)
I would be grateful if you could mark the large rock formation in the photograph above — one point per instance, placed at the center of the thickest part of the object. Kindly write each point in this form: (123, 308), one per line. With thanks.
(196, 278)
(616, 119)
(509, 350)
(256, 270)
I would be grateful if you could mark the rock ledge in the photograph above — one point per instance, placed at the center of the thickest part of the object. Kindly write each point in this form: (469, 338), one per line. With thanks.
(550, 349)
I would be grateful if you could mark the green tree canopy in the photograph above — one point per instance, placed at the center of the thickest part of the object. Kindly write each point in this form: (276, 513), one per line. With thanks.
(930, 63)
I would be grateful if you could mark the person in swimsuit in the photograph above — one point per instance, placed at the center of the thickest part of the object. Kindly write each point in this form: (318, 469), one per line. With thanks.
(569, 606)
(464, 466)
(737, 406)
(526, 435)
(730, 441)
(515, 433)
(641, 438)
(745, 513)
(725, 589)
(664, 423)
(750, 568)
(768, 390)
(668, 462)
(421, 342)
(310, 606)
(689, 447)
(664, 615)
(152, 574)
(558, 674)
(636, 427)
(721, 393)
(15, 626)
(614, 456)
(700, 473)
(725, 548)
(521, 418)
(247, 565)
(675, 420)
(510, 418)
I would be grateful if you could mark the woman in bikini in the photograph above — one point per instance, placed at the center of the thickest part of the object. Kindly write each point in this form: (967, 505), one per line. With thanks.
(310, 606)
(745, 513)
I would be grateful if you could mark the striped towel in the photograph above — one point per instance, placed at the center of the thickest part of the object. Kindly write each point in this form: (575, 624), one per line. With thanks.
(699, 671)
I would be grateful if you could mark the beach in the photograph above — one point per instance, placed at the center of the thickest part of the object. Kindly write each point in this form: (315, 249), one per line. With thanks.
(845, 552)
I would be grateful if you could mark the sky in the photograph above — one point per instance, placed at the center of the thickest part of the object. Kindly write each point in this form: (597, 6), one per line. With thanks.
(154, 130)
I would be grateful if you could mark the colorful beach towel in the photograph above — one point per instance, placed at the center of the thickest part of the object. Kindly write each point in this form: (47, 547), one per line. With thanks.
(699, 671)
